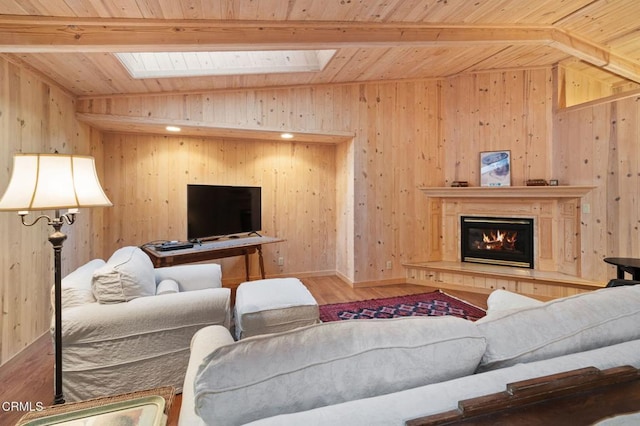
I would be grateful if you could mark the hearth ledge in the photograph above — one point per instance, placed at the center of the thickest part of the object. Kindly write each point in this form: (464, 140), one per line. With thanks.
(482, 278)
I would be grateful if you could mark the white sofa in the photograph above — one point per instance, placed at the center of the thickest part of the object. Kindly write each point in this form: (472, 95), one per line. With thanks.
(359, 372)
(127, 326)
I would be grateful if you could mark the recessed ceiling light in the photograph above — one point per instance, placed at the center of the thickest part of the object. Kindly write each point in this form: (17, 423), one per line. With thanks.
(173, 128)
(286, 136)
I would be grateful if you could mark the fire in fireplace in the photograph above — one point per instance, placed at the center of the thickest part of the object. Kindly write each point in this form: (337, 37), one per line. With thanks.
(497, 240)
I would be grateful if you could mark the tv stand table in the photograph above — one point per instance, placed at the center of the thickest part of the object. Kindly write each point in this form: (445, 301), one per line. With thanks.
(209, 250)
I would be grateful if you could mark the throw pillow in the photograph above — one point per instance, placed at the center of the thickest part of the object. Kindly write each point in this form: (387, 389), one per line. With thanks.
(76, 287)
(331, 363)
(128, 274)
(562, 326)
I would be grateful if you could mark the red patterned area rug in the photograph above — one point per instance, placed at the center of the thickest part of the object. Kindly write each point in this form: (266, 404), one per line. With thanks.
(436, 303)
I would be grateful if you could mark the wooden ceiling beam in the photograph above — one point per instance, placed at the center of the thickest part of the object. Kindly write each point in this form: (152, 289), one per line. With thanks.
(595, 54)
(20, 34)
(25, 34)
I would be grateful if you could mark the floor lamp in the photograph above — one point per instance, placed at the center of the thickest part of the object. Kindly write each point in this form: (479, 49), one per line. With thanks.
(53, 182)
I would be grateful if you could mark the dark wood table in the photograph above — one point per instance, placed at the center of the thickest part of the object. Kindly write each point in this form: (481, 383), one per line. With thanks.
(625, 264)
(578, 397)
(243, 246)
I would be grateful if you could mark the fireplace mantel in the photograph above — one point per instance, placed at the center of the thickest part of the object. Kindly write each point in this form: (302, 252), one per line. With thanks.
(549, 192)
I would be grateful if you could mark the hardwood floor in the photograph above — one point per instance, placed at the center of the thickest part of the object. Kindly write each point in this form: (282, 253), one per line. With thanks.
(27, 379)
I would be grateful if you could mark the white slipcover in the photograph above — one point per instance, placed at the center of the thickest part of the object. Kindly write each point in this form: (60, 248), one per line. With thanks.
(144, 343)
(273, 305)
(324, 364)
(395, 408)
(563, 326)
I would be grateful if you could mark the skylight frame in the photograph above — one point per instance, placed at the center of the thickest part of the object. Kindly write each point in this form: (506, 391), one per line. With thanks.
(144, 65)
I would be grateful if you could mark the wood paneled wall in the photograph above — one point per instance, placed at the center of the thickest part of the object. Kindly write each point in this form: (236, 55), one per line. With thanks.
(599, 144)
(350, 207)
(147, 181)
(377, 210)
(494, 112)
(407, 135)
(594, 144)
(37, 117)
(576, 87)
(344, 210)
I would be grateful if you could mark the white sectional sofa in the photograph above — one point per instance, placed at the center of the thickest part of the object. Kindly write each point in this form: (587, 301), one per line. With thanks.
(384, 372)
(127, 326)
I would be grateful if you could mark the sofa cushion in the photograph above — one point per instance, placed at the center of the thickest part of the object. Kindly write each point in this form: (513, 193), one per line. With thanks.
(438, 398)
(330, 363)
(562, 326)
(127, 274)
(76, 287)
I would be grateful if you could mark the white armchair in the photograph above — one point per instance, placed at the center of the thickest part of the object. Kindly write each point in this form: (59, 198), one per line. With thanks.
(139, 341)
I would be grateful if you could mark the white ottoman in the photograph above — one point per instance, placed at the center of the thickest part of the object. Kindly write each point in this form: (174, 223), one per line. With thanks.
(273, 305)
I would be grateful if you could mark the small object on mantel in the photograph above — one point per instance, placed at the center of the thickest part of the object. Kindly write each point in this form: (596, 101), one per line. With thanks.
(459, 183)
(537, 182)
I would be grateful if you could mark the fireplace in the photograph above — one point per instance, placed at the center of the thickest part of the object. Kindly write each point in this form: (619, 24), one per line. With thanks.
(497, 241)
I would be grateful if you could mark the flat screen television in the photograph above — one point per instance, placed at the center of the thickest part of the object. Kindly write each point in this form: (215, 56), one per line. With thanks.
(218, 211)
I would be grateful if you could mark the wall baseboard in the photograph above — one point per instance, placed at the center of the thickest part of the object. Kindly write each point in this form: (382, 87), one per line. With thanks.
(380, 283)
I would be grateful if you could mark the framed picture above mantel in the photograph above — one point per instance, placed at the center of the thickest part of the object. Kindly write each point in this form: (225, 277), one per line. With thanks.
(495, 168)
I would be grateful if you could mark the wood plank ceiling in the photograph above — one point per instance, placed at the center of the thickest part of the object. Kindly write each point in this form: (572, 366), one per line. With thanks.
(72, 42)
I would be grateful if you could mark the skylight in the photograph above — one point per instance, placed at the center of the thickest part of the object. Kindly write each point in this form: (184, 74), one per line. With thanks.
(193, 64)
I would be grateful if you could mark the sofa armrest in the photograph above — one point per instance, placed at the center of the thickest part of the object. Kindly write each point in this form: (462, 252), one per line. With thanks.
(192, 277)
(144, 315)
(203, 343)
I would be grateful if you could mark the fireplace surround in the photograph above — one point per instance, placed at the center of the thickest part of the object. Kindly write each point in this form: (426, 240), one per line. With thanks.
(555, 209)
(504, 241)
(556, 213)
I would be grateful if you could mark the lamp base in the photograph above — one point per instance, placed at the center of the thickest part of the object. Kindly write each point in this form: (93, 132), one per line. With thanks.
(56, 239)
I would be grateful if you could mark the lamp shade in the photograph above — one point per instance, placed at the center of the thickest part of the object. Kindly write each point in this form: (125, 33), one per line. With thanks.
(52, 182)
